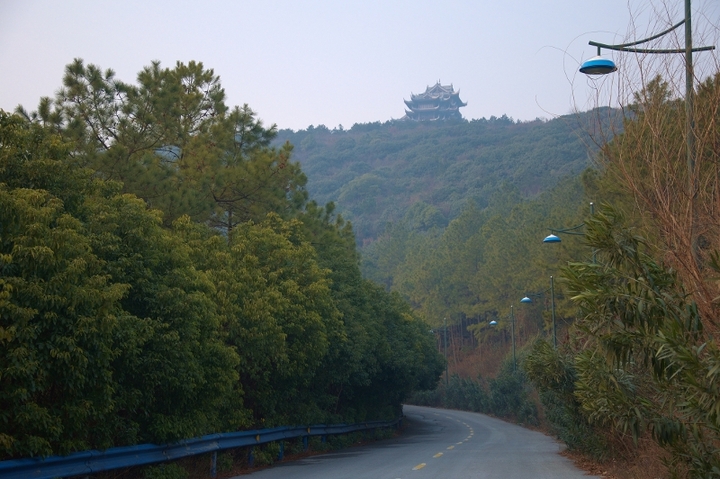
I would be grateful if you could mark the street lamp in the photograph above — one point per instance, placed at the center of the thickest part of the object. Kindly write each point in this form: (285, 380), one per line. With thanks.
(554, 238)
(512, 333)
(602, 66)
(527, 299)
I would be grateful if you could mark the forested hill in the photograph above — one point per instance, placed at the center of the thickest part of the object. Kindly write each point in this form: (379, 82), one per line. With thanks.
(382, 172)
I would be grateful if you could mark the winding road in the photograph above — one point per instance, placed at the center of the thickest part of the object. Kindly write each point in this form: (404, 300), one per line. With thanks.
(440, 443)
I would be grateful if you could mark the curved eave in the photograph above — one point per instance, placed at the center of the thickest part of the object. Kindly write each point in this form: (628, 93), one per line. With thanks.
(456, 95)
(436, 104)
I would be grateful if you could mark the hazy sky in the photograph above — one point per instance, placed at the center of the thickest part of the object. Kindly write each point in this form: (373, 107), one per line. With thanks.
(303, 62)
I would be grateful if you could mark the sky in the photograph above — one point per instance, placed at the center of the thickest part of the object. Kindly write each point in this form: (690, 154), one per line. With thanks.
(311, 62)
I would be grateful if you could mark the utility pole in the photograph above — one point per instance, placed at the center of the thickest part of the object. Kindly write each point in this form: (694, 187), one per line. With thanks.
(512, 324)
(447, 377)
(552, 298)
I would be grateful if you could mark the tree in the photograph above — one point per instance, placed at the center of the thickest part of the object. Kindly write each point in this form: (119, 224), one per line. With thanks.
(250, 178)
(109, 334)
(173, 142)
(276, 311)
(649, 160)
(646, 364)
(176, 376)
(58, 308)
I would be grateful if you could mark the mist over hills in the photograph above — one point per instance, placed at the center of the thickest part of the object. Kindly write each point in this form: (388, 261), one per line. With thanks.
(425, 172)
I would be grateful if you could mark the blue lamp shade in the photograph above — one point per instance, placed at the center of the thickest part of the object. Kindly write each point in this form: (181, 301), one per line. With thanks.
(598, 66)
(526, 299)
(493, 323)
(551, 239)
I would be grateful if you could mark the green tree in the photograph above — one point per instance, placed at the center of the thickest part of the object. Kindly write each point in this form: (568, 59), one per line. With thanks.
(250, 178)
(646, 364)
(381, 333)
(110, 336)
(59, 309)
(276, 311)
(176, 376)
(173, 142)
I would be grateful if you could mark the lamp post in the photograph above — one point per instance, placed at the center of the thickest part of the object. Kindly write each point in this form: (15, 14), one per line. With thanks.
(512, 334)
(446, 359)
(552, 306)
(602, 66)
(527, 299)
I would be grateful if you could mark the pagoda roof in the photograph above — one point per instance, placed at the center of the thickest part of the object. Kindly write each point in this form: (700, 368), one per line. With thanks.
(437, 102)
(427, 106)
(437, 92)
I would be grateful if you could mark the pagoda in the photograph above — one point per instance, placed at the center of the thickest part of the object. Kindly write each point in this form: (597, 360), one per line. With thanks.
(439, 102)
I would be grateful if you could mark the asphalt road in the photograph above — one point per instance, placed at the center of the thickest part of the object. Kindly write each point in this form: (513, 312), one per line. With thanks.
(440, 443)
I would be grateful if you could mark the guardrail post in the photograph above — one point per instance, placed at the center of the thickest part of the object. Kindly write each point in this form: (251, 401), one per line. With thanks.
(281, 454)
(305, 443)
(251, 457)
(213, 465)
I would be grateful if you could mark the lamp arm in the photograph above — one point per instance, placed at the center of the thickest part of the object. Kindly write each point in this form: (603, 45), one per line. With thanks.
(644, 50)
(537, 295)
(624, 46)
(569, 231)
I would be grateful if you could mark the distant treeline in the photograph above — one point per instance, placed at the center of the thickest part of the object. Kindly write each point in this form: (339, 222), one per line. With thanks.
(377, 173)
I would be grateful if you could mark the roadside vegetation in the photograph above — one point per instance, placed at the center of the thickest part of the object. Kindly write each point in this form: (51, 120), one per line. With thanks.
(637, 367)
(164, 275)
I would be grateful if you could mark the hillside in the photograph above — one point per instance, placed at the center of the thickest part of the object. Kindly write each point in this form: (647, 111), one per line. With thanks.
(380, 172)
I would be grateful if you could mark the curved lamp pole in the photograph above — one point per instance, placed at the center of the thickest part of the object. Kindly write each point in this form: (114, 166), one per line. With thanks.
(528, 299)
(554, 238)
(602, 66)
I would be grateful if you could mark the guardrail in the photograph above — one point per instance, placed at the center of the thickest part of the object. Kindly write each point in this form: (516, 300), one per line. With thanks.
(88, 462)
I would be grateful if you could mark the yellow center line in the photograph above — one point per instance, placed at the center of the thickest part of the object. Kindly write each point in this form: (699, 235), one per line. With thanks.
(419, 466)
(451, 447)
(458, 443)
(438, 454)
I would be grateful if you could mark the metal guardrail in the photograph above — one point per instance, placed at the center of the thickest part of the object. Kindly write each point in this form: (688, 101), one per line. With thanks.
(88, 462)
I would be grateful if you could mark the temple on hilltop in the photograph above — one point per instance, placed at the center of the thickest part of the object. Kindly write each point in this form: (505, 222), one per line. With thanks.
(439, 102)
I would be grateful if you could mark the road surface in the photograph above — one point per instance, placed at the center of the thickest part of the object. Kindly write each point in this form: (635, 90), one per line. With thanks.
(440, 443)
